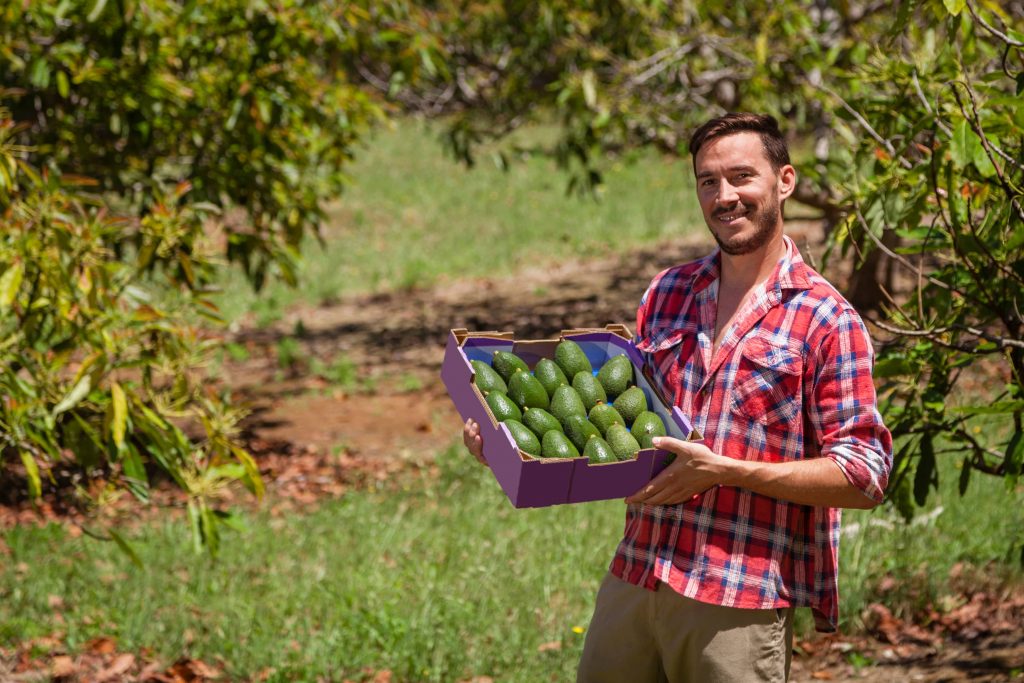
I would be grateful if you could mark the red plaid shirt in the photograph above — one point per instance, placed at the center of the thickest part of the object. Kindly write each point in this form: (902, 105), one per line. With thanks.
(791, 380)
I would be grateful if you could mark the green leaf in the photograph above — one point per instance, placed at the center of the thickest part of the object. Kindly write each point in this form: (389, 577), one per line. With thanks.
(959, 148)
(80, 391)
(62, 84)
(120, 417)
(10, 282)
(1013, 459)
(954, 7)
(590, 89)
(980, 157)
(35, 485)
(252, 480)
(97, 10)
(926, 474)
(126, 548)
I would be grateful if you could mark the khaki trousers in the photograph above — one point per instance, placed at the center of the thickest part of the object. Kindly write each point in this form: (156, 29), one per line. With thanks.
(643, 636)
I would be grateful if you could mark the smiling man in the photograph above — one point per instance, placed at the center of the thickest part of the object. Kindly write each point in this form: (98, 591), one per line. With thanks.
(773, 366)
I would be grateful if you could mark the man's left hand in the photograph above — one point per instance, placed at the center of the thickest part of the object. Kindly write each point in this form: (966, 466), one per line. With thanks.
(695, 469)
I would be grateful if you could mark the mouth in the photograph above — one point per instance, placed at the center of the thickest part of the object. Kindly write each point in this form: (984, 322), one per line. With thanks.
(730, 217)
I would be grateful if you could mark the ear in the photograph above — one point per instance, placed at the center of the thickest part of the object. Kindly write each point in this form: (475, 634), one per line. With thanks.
(786, 182)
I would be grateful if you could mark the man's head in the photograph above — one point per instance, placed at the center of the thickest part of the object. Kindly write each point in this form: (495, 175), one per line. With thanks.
(743, 177)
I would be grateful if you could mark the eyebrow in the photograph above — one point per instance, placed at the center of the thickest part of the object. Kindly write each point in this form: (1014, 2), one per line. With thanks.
(731, 169)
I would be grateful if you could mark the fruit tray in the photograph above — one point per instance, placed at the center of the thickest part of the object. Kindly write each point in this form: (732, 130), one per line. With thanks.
(540, 482)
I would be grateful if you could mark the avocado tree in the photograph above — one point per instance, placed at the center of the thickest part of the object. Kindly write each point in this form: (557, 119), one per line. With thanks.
(140, 145)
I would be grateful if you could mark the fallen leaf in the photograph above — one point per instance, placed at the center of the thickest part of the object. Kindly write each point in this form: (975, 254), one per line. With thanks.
(822, 676)
(101, 646)
(120, 665)
(550, 646)
(383, 676)
(55, 602)
(62, 666)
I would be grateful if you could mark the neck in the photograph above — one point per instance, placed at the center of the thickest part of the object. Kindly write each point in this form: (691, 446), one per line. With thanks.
(744, 271)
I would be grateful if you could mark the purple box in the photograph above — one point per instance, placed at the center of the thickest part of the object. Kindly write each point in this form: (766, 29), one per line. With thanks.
(539, 482)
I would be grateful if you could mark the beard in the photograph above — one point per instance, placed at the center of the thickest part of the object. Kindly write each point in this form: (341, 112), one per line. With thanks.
(764, 221)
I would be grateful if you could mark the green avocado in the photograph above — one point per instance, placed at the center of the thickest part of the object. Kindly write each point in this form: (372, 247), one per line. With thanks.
(486, 379)
(525, 439)
(599, 451)
(571, 359)
(549, 375)
(506, 364)
(557, 445)
(616, 375)
(589, 389)
(580, 430)
(541, 421)
(630, 404)
(502, 407)
(566, 402)
(527, 391)
(603, 416)
(646, 426)
(622, 442)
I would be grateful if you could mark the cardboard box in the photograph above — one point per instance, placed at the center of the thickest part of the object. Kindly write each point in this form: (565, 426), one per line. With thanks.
(539, 482)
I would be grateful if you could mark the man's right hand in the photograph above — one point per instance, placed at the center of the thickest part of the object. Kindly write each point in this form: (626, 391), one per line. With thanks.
(474, 442)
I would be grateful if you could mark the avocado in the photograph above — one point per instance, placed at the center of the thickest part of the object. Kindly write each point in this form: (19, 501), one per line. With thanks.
(580, 430)
(598, 451)
(525, 439)
(557, 445)
(566, 402)
(502, 407)
(571, 359)
(616, 375)
(506, 363)
(603, 416)
(622, 442)
(646, 426)
(486, 379)
(550, 375)
(540, 421)
(631, 403)
(589, 389)
(527, 391)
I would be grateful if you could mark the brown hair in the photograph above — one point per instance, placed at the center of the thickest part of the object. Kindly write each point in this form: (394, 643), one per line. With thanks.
(775, 149)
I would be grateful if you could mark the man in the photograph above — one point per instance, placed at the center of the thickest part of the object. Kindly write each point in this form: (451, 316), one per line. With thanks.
(774, 368)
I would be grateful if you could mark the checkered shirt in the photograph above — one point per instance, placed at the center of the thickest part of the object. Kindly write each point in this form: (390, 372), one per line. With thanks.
(791, 380)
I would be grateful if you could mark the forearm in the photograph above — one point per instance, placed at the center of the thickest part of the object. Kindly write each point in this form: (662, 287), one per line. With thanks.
(817, 481)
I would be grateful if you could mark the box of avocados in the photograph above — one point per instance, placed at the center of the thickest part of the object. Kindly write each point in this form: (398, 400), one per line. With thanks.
(543, 445)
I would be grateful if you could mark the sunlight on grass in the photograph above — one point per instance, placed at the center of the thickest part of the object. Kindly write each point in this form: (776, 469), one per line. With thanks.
(413, 216)
(441, 581)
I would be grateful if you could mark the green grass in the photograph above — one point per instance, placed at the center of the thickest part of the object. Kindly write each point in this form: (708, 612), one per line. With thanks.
(440, 581)
(412, 216)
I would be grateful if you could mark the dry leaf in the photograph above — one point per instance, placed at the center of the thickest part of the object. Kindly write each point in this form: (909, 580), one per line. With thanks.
(101, 646)
(55, 602)
(62, 666)
(822, 676)
(120, 665)
(550, 646)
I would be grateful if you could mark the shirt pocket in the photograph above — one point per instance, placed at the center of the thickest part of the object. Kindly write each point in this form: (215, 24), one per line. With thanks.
(767, 387)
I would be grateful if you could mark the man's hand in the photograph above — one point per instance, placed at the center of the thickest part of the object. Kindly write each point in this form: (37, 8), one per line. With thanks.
(695, 469)
(474, 442)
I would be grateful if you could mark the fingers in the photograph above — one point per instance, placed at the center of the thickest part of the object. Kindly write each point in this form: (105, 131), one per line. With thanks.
(473, 441)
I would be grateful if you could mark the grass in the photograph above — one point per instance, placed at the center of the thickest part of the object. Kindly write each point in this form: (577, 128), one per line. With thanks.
(441, 582)
(413, 216)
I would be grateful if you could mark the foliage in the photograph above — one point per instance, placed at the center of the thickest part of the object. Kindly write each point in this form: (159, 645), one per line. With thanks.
(97, 372)
(934, 176)
(245, 100)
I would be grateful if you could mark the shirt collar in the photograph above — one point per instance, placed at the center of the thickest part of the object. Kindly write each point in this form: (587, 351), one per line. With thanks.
(790, 273)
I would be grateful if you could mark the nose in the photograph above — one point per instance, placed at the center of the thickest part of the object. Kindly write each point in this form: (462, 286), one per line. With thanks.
(727, 193)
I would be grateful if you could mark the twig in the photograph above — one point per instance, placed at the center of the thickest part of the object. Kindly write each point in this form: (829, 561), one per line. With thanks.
(864, 124)
(993, 30)
(1001, 342)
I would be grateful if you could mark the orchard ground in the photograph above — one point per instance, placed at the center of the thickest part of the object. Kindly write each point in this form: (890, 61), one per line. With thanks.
(382, 551)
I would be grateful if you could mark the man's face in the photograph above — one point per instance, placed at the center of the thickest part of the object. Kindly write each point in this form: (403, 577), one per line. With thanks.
(739, 192)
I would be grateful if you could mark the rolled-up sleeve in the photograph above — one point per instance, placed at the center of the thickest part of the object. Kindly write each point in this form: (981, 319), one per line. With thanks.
(843, 407)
